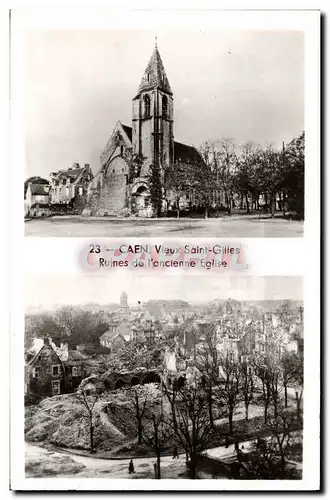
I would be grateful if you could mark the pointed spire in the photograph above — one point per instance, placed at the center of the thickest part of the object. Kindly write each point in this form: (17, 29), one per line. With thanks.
(154, 75)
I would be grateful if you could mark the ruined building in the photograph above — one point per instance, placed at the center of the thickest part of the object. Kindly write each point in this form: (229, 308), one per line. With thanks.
(121, 184)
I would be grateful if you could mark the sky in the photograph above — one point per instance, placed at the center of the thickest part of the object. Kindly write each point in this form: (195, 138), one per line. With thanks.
(246, 85)
(46, 292)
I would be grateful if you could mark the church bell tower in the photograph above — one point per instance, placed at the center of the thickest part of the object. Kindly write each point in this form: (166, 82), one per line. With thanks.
(152, 120)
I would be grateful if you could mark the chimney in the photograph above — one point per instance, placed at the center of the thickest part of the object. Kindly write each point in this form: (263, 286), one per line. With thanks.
(56, 341)
(47, 340)
(86, 165)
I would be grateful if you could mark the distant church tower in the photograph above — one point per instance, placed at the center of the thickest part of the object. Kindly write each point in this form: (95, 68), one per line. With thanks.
(123, 303)
(152, 120)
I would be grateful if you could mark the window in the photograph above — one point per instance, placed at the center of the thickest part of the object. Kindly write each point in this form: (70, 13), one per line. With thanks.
(146, 106)
(36, 372)
(121, 150)
(164, 105)
(56, 370)
(148, 77)
(56, 388)
(75, 371)
(80, 191)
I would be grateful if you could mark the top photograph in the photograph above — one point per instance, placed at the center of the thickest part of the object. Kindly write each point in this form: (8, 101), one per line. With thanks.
(141, 133)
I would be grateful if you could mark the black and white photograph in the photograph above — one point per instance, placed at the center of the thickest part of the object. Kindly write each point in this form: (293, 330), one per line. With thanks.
(170, 378)
(162, 132)
(163, 263)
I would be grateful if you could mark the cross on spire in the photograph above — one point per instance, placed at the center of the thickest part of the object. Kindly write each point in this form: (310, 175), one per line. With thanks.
(155, 42)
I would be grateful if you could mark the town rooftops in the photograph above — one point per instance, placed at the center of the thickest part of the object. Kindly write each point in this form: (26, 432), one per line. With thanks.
(73, 172)
(74, 355)
(63, 174)
(110, 335)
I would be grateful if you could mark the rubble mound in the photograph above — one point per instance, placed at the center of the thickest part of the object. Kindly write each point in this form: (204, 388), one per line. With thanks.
(62, 421)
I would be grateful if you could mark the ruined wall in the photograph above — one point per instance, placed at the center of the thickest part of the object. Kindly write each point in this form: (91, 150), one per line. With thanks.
(113, 193)
(108, 194)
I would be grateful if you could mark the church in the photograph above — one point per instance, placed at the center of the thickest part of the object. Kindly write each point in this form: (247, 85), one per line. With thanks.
(121, 186)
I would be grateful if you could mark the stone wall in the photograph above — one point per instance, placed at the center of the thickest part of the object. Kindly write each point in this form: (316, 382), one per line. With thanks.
(113, 194)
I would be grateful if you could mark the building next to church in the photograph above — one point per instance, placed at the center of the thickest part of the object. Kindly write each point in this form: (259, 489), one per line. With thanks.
(122, 184)
(70, 186)
(37, 200)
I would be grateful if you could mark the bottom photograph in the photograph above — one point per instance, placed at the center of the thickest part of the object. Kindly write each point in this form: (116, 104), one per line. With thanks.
(164, 377)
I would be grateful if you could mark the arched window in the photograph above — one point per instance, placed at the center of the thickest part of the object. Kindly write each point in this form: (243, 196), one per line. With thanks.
(164, 105)
(146, 106)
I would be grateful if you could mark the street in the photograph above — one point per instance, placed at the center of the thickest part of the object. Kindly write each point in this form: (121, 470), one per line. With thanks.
(235, 226)
(41, 463)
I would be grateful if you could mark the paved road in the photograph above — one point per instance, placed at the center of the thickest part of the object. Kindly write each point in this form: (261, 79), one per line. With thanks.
(171, 468)
(234, 227)
(99, 467)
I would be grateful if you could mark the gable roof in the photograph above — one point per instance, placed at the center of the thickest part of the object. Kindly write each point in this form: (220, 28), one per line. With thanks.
(154, 75)
(35, 357)
(75, 173)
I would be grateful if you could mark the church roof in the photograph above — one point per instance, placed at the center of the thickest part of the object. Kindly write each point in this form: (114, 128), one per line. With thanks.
(185, 153)
(128, 131)
(154, 75)
(182, 152)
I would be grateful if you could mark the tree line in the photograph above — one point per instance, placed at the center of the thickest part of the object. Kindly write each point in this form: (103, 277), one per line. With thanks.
(228, 177)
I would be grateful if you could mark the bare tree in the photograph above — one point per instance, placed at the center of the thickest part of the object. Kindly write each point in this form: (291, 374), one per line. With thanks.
(156, 434)
(87, 394)
(228, 392)
(289, 369)
(222, 158)
(281, 425)
(204, 181)
(298, 381)
(137, 402)
(266, 368)
(190, 420)
(177, 182)
(247, 386)
(208, 364)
